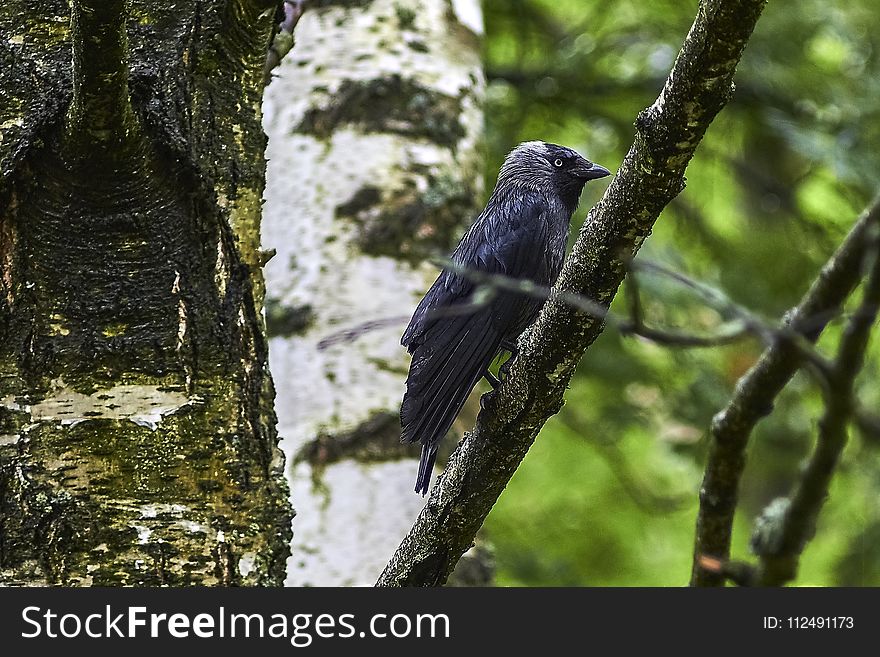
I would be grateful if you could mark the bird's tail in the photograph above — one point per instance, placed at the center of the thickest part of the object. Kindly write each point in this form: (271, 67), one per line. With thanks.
(426, 466)
(444, 371)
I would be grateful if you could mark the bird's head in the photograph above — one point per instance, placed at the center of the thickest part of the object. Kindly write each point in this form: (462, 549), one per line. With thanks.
(550, 168)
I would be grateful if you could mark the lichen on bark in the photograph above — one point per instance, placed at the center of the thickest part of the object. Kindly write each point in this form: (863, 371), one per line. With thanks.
(139, 442)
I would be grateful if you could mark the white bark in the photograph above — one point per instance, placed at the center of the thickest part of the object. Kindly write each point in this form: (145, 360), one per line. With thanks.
(351, 513)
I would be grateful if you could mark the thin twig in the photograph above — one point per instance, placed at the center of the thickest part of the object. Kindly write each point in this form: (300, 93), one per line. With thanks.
(730, 333)
(489, 284)
(868, 425)
(770, 334)
(353, 333)
(283, 41)
(634, 298)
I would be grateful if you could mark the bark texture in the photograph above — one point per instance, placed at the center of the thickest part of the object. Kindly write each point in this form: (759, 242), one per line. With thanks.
(373, 121)
(651, 175)
(138, 438)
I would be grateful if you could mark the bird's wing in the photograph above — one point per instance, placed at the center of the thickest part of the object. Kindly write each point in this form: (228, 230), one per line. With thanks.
(452, 351)
(517, 247)
(445, 292)
(511, 241)
(444, 370)
(448, 290)
(520, 251)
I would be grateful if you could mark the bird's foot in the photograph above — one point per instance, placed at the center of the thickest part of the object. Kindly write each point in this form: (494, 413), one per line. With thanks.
(504, 370)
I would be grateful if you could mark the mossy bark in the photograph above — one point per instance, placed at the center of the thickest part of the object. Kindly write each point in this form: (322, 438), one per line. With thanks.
(139, 442)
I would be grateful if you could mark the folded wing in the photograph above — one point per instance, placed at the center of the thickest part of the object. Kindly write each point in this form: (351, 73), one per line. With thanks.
(453, 341)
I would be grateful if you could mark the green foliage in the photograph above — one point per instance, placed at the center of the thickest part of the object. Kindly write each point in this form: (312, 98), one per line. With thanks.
(608, 494)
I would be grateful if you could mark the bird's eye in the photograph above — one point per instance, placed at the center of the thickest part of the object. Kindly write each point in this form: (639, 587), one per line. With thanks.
(557, 162)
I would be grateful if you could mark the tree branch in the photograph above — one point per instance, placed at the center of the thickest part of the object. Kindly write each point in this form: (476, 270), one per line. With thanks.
(756, 391)
(652, 174)
(783, 536)
(101, 112)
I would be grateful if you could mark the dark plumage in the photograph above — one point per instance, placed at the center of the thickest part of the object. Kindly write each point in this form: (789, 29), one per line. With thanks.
(522, 233)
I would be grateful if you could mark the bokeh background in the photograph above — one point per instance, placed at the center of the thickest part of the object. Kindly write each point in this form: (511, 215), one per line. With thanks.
(608, 494)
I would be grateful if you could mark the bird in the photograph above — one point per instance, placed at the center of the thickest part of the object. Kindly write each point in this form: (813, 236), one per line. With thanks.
(455, 332)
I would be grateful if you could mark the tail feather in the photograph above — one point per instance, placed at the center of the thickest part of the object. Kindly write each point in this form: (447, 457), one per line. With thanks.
(439, 384)
(426, 466)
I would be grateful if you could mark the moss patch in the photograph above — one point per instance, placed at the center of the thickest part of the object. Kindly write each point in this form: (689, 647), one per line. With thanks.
(393, 105)
(410, 224)
(284, 321)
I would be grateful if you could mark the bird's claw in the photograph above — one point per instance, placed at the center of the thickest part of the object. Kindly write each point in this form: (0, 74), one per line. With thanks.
(504, 370)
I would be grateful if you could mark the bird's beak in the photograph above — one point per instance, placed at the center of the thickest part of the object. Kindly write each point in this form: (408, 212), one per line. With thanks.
(588, 171)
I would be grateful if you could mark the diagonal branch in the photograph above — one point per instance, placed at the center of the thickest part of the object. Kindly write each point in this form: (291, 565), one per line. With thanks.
(784, 536)
(651, 175)
(756, 391)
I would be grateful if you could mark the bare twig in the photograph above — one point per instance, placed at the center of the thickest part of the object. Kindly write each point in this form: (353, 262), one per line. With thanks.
(731, 333)
(355, 332)
(712, 296)
(751, 323)
(634, 298)
(757, 389)
(868, 424)
(283, 41)
(728, 334)
(489, 284)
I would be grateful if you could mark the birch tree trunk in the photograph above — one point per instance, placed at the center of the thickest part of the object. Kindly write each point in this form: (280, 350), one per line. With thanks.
(138, 438)
(374, 122)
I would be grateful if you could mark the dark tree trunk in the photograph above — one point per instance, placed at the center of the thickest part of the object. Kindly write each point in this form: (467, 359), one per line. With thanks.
(139, 442)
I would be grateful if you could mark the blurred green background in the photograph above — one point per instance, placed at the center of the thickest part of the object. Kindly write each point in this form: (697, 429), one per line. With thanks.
(608, 494)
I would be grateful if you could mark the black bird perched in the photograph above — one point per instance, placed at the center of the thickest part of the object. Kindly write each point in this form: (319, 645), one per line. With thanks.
(522, 233)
